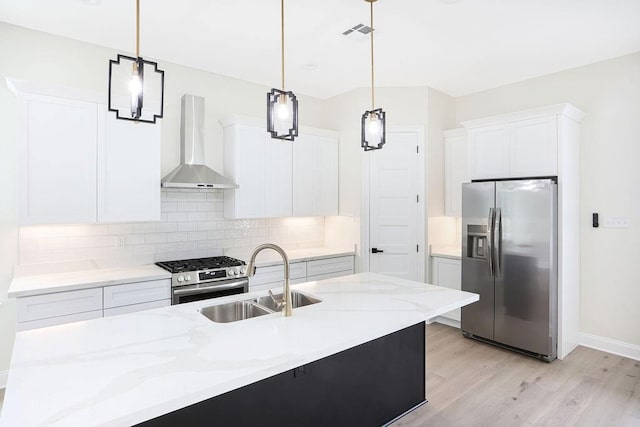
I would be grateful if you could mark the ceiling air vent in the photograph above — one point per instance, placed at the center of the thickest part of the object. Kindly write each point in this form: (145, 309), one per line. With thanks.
(358, 32)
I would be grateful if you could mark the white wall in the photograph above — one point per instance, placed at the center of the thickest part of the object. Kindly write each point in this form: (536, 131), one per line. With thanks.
(36, 56)
(609, 92)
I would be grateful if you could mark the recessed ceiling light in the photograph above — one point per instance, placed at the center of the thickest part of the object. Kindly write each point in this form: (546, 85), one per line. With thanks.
(91, 2)
(309, 67)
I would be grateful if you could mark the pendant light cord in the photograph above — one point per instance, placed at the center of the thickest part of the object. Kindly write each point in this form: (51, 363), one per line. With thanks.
(373, 95)
(281, 39)
(137, 28)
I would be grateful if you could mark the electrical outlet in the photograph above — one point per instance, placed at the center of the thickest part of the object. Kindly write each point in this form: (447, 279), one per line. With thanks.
(121, 242)
(616, 222)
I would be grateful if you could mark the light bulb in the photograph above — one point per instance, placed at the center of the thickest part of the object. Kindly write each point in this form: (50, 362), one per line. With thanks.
(374, 126)
(135, 85)
(282, 111)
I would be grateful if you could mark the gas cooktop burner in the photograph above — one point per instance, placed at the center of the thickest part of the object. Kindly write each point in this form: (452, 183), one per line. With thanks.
(199, 264)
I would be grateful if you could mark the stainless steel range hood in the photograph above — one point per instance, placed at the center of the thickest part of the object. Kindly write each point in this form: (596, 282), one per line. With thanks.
(192, 172)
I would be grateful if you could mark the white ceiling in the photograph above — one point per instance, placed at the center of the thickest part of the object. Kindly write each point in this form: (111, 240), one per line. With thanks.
(455, 46)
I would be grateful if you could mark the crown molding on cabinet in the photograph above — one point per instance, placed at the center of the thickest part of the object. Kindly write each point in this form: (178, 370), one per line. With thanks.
(18, 86)
(566, 109)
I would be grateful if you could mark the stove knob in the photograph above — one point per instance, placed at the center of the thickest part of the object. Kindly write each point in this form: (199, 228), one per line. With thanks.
(231, 272)
(180, 278)
(187, 278)
(243, 270)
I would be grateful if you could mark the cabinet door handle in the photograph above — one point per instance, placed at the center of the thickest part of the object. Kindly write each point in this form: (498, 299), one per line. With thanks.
(376, 251)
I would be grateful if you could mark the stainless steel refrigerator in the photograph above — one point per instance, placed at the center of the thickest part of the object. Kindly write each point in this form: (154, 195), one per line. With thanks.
(509, 257)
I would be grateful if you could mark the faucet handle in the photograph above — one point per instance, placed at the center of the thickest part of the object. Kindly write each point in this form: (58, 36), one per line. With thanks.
(278, 302)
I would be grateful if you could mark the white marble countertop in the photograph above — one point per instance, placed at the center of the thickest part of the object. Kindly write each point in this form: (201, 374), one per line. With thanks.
(122, 370)
(270, 257)
(37, 284)
(454, 252)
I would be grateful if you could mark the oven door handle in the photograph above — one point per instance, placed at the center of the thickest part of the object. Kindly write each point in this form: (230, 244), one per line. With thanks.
(197, 289)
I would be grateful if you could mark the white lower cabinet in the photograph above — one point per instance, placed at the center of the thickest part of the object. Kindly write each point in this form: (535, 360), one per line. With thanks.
(136, 307)
(39, 311)
(45, 306)
(132, 297)
(273, 276)
(305, 271)
(330, 265)
(447, 272)
(60, 320)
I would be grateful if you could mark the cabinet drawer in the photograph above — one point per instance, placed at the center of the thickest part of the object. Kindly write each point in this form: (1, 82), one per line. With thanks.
(136, 307)
(52, 321)
(329, 275)
(275, 273)
(59, 304)
(330, 265)
(137, 293)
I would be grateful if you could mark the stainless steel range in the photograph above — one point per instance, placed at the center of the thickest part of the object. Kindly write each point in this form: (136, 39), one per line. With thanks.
(204, 278)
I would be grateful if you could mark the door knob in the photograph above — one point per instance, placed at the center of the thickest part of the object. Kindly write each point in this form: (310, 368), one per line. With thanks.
(376, 251)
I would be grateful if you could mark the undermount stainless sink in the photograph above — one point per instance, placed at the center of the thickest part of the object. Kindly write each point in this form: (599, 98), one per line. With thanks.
(247, 309)
(234, 311)
(297, 300)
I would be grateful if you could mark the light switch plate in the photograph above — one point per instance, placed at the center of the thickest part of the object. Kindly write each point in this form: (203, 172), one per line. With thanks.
(616, 222)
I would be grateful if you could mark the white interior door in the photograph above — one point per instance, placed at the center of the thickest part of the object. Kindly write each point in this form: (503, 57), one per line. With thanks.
(393, 207)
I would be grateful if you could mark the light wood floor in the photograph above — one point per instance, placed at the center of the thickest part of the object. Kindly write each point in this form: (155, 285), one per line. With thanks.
(475, 384)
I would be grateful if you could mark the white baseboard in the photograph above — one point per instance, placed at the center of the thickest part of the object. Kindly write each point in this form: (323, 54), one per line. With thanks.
(620, 348)
(3, 379)
(447, 321)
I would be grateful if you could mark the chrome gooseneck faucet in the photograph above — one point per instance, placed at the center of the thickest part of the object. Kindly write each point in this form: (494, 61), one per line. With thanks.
(285, 302)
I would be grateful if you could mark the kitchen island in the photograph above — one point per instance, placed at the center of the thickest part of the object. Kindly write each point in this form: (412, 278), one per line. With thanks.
(137, 367)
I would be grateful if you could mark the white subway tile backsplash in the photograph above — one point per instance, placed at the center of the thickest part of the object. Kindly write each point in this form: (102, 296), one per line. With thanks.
(169, 207)
(192, 225)
(187, 226)
(167, 227)
(187, 207)
(197, 216)
(155, 238)
(197, 235)
(144, 228)
(181, 236)
(177, 216)
(121, 229)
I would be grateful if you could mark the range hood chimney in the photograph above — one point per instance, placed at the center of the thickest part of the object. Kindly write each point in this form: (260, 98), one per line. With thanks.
(192, 172)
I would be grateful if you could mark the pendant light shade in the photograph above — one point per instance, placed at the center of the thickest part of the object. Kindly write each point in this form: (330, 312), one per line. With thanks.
(373, 125)
(282, 105)
(282, 114)
(373, 129)
(136, 86)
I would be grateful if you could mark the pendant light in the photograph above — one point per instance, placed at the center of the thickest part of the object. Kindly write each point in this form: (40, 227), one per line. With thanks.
(373, 125)
(282, 105)
(129, 87)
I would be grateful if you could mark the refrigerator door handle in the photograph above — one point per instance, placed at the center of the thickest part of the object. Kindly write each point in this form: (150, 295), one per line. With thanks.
(497, 241)
(490, 230)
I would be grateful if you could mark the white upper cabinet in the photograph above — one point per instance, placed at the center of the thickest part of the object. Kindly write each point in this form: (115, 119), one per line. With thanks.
(456, 170)
(518, 145)
(534, 147)
(261, 166)
(128, 171)
(325, 176)
(278, 178)
(78, 164)
(57, 165)
(303, 176)
(489, 148)
(315, 176)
